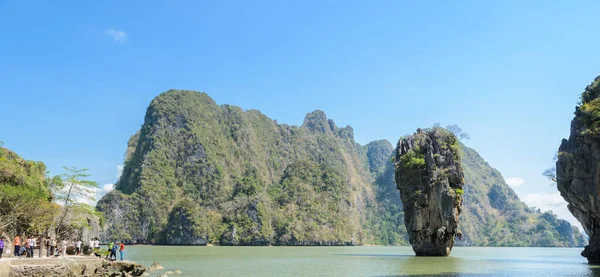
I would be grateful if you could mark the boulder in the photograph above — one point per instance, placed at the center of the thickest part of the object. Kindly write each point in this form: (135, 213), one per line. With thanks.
(156, 266)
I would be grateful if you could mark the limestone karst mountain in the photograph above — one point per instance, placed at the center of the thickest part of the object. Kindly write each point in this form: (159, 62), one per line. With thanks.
(197, 172)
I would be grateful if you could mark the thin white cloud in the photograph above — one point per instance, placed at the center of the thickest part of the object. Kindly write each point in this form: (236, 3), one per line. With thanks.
(119, 171)
(108, 187)
(119, 36)
(515, 181)
(551, 202)
(82, 195)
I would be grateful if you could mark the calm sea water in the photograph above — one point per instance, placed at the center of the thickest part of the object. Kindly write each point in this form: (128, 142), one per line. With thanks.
(362, 261)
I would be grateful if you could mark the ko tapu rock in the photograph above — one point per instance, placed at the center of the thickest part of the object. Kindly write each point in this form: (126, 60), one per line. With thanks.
(578, 168)
(430, 179)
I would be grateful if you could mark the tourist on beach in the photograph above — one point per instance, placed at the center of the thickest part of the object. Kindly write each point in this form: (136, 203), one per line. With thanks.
(113, 251)
(31, 248)
(91, 245)
(97, 248)
(23, 249)
(1, 247)
(27, 247)
(121, 249)
(64, 247)
(109, 248)
(96, 244)
(78, 247)
(53, 247)
(47, 243)
(17, 244)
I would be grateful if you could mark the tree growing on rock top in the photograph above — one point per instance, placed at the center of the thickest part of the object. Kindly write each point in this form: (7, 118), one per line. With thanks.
(457, 132)
(430, 179)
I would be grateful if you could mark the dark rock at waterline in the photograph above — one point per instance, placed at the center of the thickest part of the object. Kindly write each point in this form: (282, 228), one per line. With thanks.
(430, 179)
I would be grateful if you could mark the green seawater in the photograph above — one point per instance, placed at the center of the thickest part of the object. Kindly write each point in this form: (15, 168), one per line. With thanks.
(362, 261)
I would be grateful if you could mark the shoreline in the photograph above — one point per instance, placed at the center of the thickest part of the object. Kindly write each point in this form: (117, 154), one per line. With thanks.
(68, 266)
(349, 246)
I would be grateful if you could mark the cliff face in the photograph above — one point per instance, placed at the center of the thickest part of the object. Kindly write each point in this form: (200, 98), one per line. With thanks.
(578, 168)
(430, 178)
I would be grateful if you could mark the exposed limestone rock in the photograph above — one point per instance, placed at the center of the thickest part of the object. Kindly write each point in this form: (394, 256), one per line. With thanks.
(430, 178)
(72, 267)
(578, 169)
(156, 266)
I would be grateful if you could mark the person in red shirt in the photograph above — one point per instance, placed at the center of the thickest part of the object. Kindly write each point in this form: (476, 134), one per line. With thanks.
(121, 249)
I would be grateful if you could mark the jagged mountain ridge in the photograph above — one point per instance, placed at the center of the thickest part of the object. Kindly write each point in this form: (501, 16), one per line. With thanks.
(199, 173)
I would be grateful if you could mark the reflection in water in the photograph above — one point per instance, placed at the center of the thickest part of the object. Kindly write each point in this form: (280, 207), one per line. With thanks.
(427, 265)
(364, 261)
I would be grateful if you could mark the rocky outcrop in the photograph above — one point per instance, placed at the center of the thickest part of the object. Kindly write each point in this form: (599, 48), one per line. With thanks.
(578, 169)
(430, 178)
(70, 267)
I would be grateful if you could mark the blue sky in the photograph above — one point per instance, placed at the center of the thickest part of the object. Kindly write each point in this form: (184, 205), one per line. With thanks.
(77, 76)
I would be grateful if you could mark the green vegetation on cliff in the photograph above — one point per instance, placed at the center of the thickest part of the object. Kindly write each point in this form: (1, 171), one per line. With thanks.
(493, 215)
(262, 182)
(199, 173)
(25, 199)
(28, 200)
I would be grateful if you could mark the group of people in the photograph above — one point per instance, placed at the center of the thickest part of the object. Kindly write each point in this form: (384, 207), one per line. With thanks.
(25, 248)
(113, 247)
(53, 248)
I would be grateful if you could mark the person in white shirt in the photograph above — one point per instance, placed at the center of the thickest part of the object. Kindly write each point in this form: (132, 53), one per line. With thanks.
(78, 247)
(30, 246)
(97, 247)
(64, 247)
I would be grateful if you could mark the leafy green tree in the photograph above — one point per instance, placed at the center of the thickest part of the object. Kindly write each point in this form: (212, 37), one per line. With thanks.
(71, 190)
(23, 192)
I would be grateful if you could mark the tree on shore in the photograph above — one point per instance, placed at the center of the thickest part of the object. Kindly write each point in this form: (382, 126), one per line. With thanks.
(73, 192)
